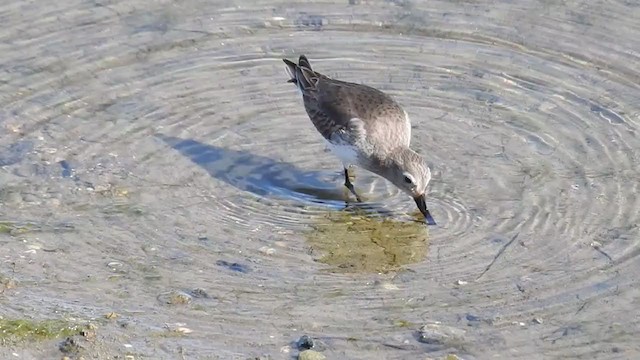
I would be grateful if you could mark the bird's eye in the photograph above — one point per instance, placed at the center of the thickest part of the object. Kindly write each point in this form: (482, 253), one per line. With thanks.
(407, 180)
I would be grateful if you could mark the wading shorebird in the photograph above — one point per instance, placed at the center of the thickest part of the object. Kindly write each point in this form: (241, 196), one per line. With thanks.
(365, 127)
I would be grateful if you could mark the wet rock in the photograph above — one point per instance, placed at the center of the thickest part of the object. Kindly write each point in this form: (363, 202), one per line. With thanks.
(111, 316)
(89, 333)
(267, 250)
(10, 198)
(175, 298)
(69, 346)
(473, 319)
(199, 293)
(436, 333)
(66, 170)
(7, 283)
(537, 321)
(234, 266)
(30, 198)
(179, 328)
(316, 22)
(304, 343)
(311, 355)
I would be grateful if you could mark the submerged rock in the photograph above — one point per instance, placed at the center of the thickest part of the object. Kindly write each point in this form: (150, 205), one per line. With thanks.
(305, 343)
(69, 346)
(311, 355)
(436, 333)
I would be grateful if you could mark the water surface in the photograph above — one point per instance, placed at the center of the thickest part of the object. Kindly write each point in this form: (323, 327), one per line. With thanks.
(160, 179)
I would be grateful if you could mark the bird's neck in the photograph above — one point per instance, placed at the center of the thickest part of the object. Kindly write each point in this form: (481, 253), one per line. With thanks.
(388, 160)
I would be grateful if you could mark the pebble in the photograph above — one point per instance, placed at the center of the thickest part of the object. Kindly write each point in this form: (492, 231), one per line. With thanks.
(69, 345)
(537, 321)
(234, 266)
(175, 298)
(199, 293)
(311, 355)
(436, 333)
(305, 343)
(114, 264)
(461, 282)
(267, 250)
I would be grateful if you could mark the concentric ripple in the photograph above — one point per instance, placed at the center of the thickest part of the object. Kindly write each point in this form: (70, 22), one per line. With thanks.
(167, 136)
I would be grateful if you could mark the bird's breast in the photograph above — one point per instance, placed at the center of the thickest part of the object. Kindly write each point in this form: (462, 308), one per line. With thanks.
(346, 153)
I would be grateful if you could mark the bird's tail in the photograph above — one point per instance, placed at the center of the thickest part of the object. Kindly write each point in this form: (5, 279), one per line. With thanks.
(301, 73)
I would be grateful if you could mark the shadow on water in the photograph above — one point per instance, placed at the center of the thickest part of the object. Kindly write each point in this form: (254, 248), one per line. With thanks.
(351, 241)
(261, 175)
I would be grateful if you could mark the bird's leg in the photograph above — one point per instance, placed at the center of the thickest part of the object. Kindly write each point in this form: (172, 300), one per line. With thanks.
(349, 185)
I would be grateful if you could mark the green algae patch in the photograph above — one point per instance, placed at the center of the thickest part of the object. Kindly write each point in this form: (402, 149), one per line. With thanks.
(17, 330)
(12, 228)
(354, 242)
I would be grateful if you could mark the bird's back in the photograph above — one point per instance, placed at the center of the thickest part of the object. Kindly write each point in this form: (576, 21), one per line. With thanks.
(332, 104)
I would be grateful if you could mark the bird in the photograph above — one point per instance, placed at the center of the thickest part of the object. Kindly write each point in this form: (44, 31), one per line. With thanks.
(363, 127)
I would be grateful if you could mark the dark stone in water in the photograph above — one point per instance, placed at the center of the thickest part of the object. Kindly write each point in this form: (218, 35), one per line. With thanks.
(305, 343)
(234, 266)
(69, 345)
(199, 293)
(66, 168)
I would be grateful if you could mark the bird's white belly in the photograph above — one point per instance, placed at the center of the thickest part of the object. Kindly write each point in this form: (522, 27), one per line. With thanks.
(346, 153)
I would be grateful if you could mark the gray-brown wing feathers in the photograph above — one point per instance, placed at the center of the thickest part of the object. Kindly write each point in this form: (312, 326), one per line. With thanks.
(332, 104)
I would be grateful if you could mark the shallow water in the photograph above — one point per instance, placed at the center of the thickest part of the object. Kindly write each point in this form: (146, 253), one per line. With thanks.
(153, 148)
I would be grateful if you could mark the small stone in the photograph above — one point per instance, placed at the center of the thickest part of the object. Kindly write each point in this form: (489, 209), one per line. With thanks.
(267, 250)
(69, 345)
(175, 298)
(110, 316)
(114, 264)
(305, 343)
(537, 321)
(89, 335)
(178, 328)
(183, 330)
(30, 198)
(436, 333)
(199, 293)
(234, 266)
(385, 285)
(461, 282)
(311, 355)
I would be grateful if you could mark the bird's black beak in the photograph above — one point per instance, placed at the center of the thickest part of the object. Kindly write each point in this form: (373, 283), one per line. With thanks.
(422, 206)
